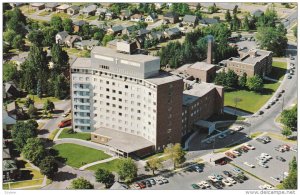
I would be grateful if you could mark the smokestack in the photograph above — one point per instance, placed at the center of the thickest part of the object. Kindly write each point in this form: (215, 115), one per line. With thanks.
(209, 50)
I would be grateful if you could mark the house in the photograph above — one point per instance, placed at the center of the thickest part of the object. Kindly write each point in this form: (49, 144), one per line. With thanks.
(143, 32)
(10, 170)
(190, 20)
(172, 33)
(100, 11)
(171, 17)
(208, 21)
(60, 37)
(257, 13)
(10, 90)
(109, 15)
(115, 30)
(89, 10)
(125, 14)
(51, 6)
(62, 8)
(71, 39)
(37, 6)
(136, 17)
(151, 17)
(157, 35)
(86, 44)
(78, 24)
(7, 120)
(112, 44)
(73, 10)
(128, 30)
(16, 4)
(100, 24)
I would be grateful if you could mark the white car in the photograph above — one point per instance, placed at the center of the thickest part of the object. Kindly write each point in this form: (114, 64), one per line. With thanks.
(227, 183)
(236, 152)
(201, 185)
(238, 128)
(262, 159)
(265, 187)
(250, 146)
(293, 149)
(276, 179)
(231, 180)
(204, 183)
(249, 165)
(213, 178)
(266, 155)
(262, 164)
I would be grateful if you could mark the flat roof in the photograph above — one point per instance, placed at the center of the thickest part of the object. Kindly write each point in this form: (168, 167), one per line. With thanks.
(162, 78)
(196, 90)
(202, 66)
(250, 59)
(82, 63)
(123, 141)
(113, 53)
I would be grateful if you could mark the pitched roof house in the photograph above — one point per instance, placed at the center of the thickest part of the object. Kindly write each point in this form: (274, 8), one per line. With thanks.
(190, 20)
(89, 10)
(60, 37)
(171, 17)
(136, 17)
(73, 10)
(51, 6)
(151, 17)
(71, 39)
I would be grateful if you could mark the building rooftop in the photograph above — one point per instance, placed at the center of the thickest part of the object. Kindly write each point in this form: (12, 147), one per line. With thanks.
(82, 63)
(104, 51)
(37, 4)
(195, 90)
(123, 141)
(63, 6)
(252, 57)
(163, 77)
(202, 66)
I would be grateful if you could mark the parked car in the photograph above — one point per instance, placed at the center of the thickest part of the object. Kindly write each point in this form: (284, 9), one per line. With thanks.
(276, 179)
(209, 141)
(238, 128)
(286, 147)
(198, 168)
(148, 184)
(137, 186)
(142, 185)
(293, 149)
(250, 146)
(282, 91)
(292, 58)
(227, 183)
(280, 158)
(232, 181)
(262, 164)
(65, 123)
(249, 164)
(242, 176)
(244, 148)
(289, 76)
(261, 140)
(262, 159)
(268, 106)
(229, 154)
(239, 180)
(165, 180)
(201, 186)
(227, 173)
(267, 138)
(195, 186)
(213, 178)
(279, 149)
(221, 136)
(265, 187)
(236, 153)
(260, 112)
(266, 155)
(215, 184)
(237, 170)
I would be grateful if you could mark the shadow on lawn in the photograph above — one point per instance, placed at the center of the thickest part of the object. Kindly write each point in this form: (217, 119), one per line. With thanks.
(63, 176)
(277, 73)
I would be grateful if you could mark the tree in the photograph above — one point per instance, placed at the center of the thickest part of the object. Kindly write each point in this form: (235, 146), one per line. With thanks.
(231, 79)
(243, 80)
(61, 87)
(141, 25)
(60, 59)
(127, 169)
(48, 166)
(49, 35)
(235, 9)
(106, 39)
(36, 37)
(56, 23)
(18, 43)
(104, 176)
(175, 153)
(67, 24)
(49, 106)
(10, 72)
(81, 183)
(34, 150)
(293, 164)
(9, 36)
(295, 31)
(213, 9)
(289, 118)
(246, 24)
(227, 16)
(99, 35)
(28, 102)
(32, 111)
(22, 131)
(290, 182)
(255, 83)
(286, 132)
(235, 23)
(154, 164)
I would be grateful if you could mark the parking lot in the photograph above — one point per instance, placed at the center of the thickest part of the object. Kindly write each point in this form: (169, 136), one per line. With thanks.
(184, 179)
(276, 168)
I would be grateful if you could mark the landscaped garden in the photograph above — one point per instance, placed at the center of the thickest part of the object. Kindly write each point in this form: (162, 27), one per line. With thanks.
(110, 166)
(69, 133)
(77, 156)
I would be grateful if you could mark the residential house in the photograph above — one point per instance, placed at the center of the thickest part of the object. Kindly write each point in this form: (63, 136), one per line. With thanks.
(60, 37)
(171, 17)
(86, 44)
(125, 14)
(136, 17)
(9, 166)
(99, 24)
(16, 4)
(78, 25)
(62, 8)
(14, 111)
(100, 11)
(37, 6)
(71, 39)
(257, 13)
(172, 33)
(157, 35)
(190, 20)
(128, 30)
(143, 32)
(208, 21)
(115, 30)
(10, 90)
(112, 44)
(109, 15)
(151, 17)
(7, 120)
(51, 7)
(89, 10)
(73, 10)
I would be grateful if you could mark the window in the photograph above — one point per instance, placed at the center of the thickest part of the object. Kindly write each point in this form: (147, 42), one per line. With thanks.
(114, 91)
(120, 106)
(120, 100)
(120, 114)
(120, 92)
(107, 97)
(107, 82)
(107, 89)
(107, 104)
(126, 86)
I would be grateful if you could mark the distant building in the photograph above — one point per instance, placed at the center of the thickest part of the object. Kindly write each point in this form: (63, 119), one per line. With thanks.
(125, 14)
(151, 18)
(100, 11)
(89, 10)
(9, 166)
(77, 25)
(115, 30)
(7, 120)
(202, 71)
(252, 62)
(171, 17)
(190, 20)
(60, 37)
(37, 6)
(86, 44)
(71, 39)
(136, 17)
(172, 33)
(73, 10)
(109, 15)
(208, 21)
(62, 8)
(257, 13)
(51, 6)
(10, 91)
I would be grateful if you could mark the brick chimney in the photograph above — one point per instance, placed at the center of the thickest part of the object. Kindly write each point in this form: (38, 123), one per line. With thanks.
(209, 50)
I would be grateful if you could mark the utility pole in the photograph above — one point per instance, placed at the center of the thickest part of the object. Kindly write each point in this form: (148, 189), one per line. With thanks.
(282, 103)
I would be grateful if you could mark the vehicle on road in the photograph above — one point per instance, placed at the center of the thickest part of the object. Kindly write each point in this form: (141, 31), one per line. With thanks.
(152, 181)
(237, 170)
(67, 113)
(276, 179)
(65, 123)
(262, 164)
(195, 186)
(249, 164)
(227, 183)
(280, 158)
(250, 146)
(266, 138)
(221, 136)
(261, 140)
(238, 128)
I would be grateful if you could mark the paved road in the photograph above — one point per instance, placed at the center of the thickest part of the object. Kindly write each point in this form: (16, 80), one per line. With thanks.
(290, 19)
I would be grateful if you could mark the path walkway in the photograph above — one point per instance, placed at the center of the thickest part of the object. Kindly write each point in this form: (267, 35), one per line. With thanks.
(236, 112)
(270, 79)
(97, 162)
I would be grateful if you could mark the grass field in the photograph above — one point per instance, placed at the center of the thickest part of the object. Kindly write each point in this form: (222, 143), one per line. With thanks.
(53, 134)
(110, 166)
(278, 70)
(44, 13)
(62, 15)
(256, 134)
(37, 100)
(26, 183)
(76, 135)
(251, 101)
(77, 156)
(281, 137)
(76, 52)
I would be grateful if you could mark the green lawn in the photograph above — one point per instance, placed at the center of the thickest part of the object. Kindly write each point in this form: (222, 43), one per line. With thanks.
(53, 134)
(77, 156)
(256, 134)
(278, 70)
(251, 101)
(92, 17)
(45, 13)
(110, 166)
(5, 186)
(76, 52)
(77, 135)
(37, 100)
(62, 15)
(26, 183)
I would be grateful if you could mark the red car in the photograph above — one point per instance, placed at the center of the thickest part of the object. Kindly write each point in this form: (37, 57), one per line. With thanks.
(142, 185)
(65, 123)
(229, 154)
(286, 147)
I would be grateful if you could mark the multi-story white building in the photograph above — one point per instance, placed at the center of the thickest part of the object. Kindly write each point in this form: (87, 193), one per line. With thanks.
(125, 100)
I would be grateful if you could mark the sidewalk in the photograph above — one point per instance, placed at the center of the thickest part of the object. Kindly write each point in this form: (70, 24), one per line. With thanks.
(97, 162)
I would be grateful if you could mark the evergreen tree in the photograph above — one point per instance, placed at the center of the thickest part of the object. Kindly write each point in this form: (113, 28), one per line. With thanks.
(246, 23)
(227, 16)
(243, 80)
